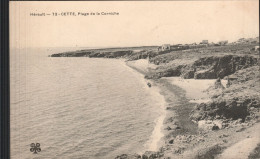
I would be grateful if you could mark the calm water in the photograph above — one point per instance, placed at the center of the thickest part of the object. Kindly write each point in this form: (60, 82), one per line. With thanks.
(79, 107)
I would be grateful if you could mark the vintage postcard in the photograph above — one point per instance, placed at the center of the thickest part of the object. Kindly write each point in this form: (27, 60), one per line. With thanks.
(134, 79)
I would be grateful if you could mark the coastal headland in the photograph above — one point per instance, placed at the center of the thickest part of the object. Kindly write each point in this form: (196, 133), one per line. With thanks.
(212, 95)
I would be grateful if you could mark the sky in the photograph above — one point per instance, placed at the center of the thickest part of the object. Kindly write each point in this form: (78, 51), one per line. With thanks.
(142, 23)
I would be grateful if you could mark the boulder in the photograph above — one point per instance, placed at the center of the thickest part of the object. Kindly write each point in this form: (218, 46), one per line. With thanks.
(215, 127)
(128, 156)
(151, 155)
(210, 125)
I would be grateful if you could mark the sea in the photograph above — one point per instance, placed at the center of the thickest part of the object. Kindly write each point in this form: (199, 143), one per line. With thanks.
(80, 107)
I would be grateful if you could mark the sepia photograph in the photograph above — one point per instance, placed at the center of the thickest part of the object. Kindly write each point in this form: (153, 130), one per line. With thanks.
(134, 79)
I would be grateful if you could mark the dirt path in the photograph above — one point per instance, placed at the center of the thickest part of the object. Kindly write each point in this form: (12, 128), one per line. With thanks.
(243, 148)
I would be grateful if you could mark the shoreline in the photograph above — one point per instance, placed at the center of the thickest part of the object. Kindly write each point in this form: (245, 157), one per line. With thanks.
(156, 139)
(173, 123)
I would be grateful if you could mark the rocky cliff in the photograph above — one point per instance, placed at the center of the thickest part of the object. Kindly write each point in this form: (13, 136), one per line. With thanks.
(210, 67)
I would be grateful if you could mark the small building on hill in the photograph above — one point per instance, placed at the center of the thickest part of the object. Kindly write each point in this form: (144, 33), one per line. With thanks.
(225, 42)
(166, 47)
(204, 42)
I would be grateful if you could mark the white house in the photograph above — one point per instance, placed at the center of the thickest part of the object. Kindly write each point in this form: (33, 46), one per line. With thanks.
(166, 47)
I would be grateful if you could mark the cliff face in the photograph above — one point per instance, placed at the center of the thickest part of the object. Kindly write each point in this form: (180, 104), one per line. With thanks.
(206, 67)
(214, 67)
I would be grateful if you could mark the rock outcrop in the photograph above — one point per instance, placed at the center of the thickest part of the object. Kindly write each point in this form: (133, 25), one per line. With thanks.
(234, 109)
(72, 54)
(95, 53)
